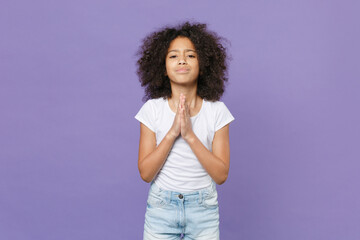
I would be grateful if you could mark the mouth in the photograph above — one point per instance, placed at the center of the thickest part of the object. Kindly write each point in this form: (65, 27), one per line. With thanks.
(182, 70)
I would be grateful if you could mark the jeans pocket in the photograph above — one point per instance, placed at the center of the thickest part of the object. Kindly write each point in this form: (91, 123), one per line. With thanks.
(155, 201)
(210, 200)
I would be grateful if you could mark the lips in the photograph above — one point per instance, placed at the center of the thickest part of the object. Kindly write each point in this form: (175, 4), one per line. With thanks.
(182, 70)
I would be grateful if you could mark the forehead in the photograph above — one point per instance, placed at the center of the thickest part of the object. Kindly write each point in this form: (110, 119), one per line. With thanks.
(181, 43)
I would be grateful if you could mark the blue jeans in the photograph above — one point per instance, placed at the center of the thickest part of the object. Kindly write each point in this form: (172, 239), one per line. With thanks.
(172, 215)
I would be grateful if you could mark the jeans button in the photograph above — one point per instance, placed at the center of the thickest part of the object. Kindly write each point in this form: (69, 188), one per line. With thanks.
(181, 196)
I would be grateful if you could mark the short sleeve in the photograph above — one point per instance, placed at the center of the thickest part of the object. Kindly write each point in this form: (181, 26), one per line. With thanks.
(147, 115)
(223, 116)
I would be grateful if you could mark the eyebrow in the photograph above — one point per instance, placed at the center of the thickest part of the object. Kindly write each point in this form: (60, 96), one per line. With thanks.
(186, 50)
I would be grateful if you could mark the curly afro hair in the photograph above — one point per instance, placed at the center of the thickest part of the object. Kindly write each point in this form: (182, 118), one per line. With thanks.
(211, 55)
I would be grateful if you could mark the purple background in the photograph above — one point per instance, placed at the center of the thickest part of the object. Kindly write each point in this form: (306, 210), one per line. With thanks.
(69, 140)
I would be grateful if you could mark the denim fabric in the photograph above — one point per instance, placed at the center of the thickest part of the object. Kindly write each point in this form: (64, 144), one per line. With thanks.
(172, 215)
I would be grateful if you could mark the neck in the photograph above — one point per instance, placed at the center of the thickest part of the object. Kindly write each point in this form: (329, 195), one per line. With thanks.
(190, 95)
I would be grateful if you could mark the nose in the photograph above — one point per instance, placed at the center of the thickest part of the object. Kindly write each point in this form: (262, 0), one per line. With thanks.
(182, 60)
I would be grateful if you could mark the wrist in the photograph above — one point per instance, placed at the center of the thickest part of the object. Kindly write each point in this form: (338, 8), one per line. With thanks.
(171, 136)
(190, 138)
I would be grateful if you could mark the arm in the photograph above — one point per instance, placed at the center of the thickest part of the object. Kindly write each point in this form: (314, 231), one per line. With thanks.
(217, 162)
(152, 157)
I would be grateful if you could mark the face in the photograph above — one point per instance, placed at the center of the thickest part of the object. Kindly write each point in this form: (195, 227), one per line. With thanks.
(182, 65)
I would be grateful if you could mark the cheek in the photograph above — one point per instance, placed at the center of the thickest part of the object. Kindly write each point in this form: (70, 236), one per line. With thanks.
(169, 64)
(167, 67)
(197, 67)
(168, 71)
(196, 64)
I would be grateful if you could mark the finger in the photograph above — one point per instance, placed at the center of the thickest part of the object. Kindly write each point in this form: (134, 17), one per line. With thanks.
(179, 106)
(187, 110)
(182, 118)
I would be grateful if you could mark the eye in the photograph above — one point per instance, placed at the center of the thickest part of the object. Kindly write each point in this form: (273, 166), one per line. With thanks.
(191, 56)
(173, 56)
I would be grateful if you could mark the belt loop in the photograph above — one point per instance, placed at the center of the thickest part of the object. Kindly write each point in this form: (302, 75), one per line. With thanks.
(169, 196)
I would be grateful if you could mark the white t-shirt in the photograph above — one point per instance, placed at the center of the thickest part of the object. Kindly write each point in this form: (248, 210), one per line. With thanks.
(182, 171)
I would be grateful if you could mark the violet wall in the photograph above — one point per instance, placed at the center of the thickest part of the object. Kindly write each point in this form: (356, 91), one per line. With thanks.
(69, 140)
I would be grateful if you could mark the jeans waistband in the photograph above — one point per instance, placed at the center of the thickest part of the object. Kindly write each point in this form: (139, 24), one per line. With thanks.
(198, 195)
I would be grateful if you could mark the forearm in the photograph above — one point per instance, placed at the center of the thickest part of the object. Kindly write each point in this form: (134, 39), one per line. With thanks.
(215, 166)
(150, 165)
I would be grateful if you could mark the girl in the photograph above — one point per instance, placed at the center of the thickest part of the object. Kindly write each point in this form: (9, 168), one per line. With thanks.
(184, 131)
